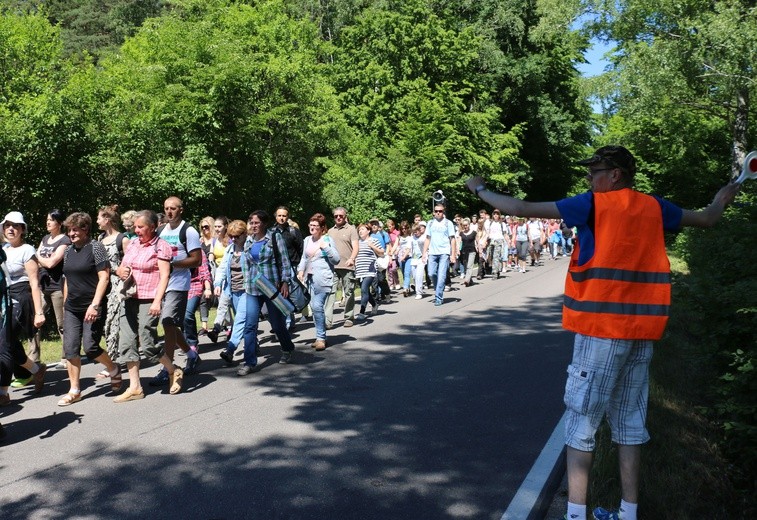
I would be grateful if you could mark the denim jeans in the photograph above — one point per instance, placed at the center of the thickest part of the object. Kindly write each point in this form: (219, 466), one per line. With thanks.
(239, 303)
(366, 296)
(190, 323)
(253, 304)
(318, 297)
(407, 272)
(438, 265)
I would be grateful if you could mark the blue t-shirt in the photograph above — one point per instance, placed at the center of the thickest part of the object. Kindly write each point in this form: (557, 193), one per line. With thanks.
(440, 232)
(578, 211)
(382, 237)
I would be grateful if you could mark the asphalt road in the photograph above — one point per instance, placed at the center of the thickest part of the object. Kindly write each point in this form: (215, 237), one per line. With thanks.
(422, 413)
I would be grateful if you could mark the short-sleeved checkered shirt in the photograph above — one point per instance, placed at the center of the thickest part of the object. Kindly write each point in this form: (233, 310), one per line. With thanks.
(142, 258)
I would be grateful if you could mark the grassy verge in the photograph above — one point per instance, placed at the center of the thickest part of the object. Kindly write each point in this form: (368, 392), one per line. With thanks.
(51, 348)
(683, 474)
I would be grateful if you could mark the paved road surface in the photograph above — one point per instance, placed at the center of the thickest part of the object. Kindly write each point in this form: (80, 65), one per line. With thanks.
(422, 413)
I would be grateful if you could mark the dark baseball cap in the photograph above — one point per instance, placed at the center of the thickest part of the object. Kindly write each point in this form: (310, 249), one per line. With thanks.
(614, 156)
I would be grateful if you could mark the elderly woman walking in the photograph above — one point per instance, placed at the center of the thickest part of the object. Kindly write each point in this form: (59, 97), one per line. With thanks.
(146, 266)
(316, 268)
(86, 271)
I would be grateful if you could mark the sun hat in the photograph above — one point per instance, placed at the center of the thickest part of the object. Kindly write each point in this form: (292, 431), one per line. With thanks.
(15, 217)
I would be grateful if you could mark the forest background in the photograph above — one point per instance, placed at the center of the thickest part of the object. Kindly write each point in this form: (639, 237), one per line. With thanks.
(375, 104)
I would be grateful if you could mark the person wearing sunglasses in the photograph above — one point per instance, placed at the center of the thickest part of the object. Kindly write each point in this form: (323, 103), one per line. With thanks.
(345, 238)
(229, 280)
(439, 250)
(617, 300)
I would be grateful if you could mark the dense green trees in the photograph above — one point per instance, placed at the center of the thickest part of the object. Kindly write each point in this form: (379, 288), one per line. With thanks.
(682, 83)
(235, 105)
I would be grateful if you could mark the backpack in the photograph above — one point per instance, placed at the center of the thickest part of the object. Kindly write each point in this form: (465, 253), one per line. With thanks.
(182, 234)
(119, 242)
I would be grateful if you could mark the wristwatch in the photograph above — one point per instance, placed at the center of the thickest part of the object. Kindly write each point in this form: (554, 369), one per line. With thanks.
(480, 188)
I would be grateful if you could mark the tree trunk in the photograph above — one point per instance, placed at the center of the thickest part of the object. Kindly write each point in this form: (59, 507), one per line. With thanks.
(740, 127)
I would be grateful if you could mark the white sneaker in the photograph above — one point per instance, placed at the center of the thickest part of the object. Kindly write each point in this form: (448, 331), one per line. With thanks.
(418, 296)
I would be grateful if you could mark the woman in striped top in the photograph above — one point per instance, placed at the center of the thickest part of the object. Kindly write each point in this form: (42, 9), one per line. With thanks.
(365, 268)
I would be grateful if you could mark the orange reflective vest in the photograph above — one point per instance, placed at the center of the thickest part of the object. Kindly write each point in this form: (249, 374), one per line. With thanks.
(623, 291)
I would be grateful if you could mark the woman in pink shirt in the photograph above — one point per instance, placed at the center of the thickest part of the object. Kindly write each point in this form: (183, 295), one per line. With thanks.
(147, 261)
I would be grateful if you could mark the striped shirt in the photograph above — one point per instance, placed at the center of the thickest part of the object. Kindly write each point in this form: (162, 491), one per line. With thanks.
(365, 263)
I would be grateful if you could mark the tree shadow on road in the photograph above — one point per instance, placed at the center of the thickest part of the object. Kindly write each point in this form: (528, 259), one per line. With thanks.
(439, 419)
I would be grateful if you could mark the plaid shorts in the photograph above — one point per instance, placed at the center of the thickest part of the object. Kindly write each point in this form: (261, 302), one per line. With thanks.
(607, 377)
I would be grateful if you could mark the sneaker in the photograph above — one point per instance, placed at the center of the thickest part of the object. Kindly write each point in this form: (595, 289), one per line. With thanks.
(191, 366)
(601, 513)
(160, 379)
(374, 309)
(320, 344)
(437, 302)
(418, 296)
(176, 379)
(286, 358)
(245, 370)
(348, 323)
(39, 378)
(360, 317)
(227, 356)
(202, 332)
(522, 270)
(21, 382)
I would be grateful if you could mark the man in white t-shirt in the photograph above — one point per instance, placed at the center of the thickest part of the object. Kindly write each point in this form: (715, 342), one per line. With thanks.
(185, 244)
(536, 238)
(497, 233)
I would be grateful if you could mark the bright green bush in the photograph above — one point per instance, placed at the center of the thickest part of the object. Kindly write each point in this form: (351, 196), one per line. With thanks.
(723, 287)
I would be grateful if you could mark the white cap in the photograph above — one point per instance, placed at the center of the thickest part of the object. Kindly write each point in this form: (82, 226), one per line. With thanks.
(14, 216)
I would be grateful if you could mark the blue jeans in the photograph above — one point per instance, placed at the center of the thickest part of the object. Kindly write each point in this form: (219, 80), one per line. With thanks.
(365, 293)
(318, 297)
(407, 273)
(253, 304)
(438, 265)
(239, 303)
(190, 323)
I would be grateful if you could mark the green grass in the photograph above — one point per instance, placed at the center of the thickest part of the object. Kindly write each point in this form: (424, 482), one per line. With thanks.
(51, 345)
(683, 474)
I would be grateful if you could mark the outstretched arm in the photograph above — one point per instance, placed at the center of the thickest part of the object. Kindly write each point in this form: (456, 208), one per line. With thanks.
(709, 216)
(511, 205)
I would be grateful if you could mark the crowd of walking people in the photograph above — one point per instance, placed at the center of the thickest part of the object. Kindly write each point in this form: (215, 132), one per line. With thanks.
(118, 278)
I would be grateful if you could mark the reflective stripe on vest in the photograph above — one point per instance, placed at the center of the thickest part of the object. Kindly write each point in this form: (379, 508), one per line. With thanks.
(637, 309)
(623, 291)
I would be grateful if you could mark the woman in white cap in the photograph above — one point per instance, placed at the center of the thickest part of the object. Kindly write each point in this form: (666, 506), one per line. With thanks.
(22, 271)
